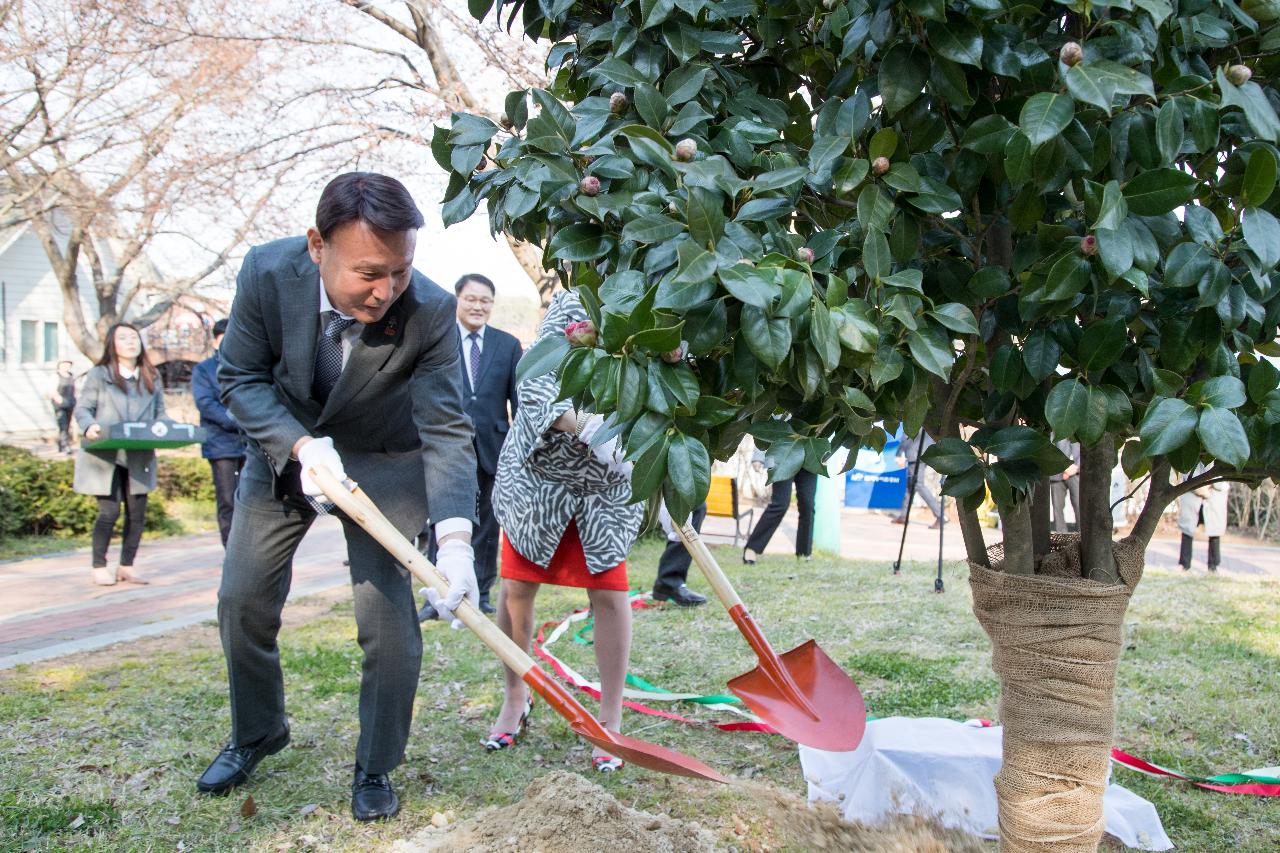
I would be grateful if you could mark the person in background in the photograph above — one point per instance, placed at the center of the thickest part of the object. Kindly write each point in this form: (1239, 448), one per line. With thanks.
(806, 486)
(567, 513)
(1207, 505)
(1064, 484)
(122, 386)
(489, 358)
(918, 484)
(673, 565)
(63, 398)
(224, 447)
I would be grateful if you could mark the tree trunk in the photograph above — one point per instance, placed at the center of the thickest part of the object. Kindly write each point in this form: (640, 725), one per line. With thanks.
(975, 544)
(1019, 553)
(1157, 499)
(1040, 514)
(1097, 560)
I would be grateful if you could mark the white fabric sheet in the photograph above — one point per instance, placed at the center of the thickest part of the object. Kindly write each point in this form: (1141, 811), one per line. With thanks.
(944, 769)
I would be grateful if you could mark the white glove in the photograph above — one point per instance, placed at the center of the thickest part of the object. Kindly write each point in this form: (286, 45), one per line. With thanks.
(606, 452)
(319, 451)
(457, 562)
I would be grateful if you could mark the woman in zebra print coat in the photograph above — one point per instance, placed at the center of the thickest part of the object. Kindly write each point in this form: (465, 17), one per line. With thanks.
(566, 518)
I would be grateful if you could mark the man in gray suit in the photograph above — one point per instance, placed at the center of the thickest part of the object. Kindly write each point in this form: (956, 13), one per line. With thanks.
(340, 354)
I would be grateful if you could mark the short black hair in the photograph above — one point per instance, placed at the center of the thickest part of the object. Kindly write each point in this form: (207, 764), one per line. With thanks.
(478, 279)
(379, 200)
(220, 328)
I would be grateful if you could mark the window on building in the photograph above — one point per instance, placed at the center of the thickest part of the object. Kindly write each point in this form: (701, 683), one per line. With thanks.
(28, 351)
(50, 341)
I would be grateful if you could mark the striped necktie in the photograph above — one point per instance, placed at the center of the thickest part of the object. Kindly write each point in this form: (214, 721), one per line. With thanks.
(475, 358)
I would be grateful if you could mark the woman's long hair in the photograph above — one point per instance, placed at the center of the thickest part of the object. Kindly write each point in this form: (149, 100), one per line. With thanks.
(147, 373)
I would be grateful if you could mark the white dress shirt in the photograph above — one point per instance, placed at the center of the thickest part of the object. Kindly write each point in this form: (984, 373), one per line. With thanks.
(445, 526)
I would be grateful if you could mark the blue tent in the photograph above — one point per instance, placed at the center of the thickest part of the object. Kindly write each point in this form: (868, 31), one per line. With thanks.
(877, 480)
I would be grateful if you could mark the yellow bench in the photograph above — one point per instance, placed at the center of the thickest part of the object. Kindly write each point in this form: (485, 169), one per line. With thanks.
(722, 501)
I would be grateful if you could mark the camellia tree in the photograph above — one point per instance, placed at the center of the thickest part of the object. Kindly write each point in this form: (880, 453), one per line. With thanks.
(1004, 222)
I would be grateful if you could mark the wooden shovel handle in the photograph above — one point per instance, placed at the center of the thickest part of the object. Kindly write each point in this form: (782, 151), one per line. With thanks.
(360, 509)
(710, 568)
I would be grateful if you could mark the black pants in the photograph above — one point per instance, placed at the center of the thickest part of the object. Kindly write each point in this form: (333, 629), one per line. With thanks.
(135, 515)
(63, 417)
(226, 473)
(484, 541)
(673, 565)
(806, 483)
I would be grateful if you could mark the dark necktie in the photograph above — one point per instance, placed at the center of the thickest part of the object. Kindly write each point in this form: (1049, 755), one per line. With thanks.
(329, 355)
(475, 358)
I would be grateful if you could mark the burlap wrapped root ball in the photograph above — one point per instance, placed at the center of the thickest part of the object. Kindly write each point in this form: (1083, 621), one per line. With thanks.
(1056, 639)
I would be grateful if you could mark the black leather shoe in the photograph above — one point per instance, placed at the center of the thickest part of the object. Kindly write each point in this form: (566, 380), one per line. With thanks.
(487, 608)
(682, 596)
(372, 797)
(427, 613)
(234, 764)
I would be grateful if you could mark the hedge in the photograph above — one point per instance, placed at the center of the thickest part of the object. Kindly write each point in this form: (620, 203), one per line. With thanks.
(36, 498)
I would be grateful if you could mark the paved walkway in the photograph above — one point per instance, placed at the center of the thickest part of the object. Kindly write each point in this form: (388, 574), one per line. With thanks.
(49, 608)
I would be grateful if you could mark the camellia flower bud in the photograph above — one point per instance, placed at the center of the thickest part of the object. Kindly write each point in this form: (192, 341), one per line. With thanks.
(1088, 245)
(590, 185)
(674, 356)
(581, 334)
(686, 150)
(879, 166)
(1071, 54)
(618, 103)
(805, 254)
(1239, 74)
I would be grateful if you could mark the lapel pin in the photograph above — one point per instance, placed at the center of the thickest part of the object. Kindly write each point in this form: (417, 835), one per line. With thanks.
(390, 328)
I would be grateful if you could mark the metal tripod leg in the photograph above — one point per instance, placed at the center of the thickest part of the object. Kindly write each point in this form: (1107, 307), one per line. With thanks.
(906, 518)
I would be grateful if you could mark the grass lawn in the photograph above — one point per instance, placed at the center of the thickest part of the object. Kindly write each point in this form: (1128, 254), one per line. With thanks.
(100, 751)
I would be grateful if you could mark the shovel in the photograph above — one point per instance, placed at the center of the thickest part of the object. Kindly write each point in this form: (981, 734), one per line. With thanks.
(802, 694)
(360, 509)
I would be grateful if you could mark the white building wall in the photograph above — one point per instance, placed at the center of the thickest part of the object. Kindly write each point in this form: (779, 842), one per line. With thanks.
(31, 293)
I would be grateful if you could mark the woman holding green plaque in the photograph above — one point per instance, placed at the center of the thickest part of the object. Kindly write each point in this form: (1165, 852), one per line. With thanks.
(122, 386)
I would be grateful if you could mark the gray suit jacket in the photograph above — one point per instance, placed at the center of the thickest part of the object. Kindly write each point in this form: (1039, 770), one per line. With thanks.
(101, 402)
(395, 414)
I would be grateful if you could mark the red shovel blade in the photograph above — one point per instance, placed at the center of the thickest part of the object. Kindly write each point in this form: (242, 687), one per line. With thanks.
(641, 753)
(835, 716)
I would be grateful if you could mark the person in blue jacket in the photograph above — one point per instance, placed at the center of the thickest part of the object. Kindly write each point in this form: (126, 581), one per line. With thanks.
(224, 446)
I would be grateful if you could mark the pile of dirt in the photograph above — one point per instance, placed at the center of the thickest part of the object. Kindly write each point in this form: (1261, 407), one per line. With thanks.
(820, 826)
(563, 812)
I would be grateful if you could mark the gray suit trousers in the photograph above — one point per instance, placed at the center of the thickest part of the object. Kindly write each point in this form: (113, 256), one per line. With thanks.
(256, 574)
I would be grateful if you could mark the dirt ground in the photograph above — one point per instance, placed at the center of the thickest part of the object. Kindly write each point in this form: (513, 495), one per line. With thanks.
(563, 812)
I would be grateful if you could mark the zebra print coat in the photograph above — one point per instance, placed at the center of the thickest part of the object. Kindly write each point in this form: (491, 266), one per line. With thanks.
(547, 478)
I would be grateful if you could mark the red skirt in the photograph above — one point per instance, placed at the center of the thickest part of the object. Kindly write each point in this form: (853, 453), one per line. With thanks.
(568, 566)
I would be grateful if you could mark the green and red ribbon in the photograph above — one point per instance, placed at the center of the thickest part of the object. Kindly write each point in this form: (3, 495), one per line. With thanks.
(1262, 782)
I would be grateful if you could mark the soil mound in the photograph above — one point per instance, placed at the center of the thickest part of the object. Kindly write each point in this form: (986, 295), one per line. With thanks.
(563, 812)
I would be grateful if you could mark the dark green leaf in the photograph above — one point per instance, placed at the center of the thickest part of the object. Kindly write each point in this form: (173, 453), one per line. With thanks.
(1225, 392)
(582, 242)
(1101, 344)
(1067, 277)
(1262, 233)
(931, 349)
(748, 286)
(956, 40)
(1041, 353)
(653, 228)
(1158, 191)
(769, 338)
(1016, 442)
(1114, 209)
(1259, 177)
(649, 471)
(1066, 407)
(1223, 435)
(1044, 116)
(950, 456)
(542, 358)
(903, 73)
(1167, 426)
(955, 317)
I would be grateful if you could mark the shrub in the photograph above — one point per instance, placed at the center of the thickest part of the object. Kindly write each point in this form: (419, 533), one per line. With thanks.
(184, 477)
(36, 499)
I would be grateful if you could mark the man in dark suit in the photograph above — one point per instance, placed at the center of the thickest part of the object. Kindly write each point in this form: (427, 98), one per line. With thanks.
(223, 446)
(489, 358)
(339, 354)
